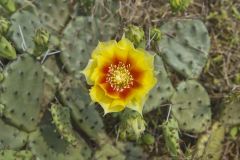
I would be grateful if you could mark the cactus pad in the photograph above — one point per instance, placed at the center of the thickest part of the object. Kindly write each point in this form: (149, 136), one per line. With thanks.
(11, 138)
(28, 22)
(53, 13)
(185, 45)
(109, 152)
(16, 155)
(191, 107)
(86, 117)
(209, 145)
(21, 92)
(230, 114)
(61, 118)
(46, 143)
(162, 91)
(80, 37)
(170, 133)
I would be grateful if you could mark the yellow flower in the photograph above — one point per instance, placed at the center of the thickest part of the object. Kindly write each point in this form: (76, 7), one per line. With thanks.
(121, 76)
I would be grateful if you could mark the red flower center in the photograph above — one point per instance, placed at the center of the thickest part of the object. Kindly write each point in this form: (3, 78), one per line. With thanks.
(119, 76)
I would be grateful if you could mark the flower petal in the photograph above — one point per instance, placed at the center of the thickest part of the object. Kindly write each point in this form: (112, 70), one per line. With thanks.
(88, 71)
(108, 104)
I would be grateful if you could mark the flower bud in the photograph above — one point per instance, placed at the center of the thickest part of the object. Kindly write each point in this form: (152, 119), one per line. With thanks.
(41, 40)
(134, 34)
(4, 25)
(179, 5)
(41, 37)
(132, 125)
(155, 34)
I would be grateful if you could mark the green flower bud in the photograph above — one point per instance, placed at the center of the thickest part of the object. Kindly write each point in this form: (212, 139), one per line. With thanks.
(155, 34)
(6, 49)
(148, 139)
(134, 34)
(4, 25)
(41, 41)
(8, 5)
(132, 125)
(179, 5)
(41, 37)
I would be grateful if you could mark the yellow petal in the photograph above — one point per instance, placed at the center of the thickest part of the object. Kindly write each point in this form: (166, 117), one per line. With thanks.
(88, 71)
(97, 95)
(116, 106)
(144, 59)
(107, 103)
(125, 44)
(137, 104)
(104, 49)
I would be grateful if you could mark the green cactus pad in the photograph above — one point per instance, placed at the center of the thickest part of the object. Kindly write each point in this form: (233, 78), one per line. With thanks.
(50, 86)
(131, 151)
(170, 133)
(21, 92)
(28, 22)
(11, 138)
(162, 91)
(16, 155)
(46, 144)
(80, 37)
(85, 115)
(209, 145)
(191, 107)
(6, 49)
(230, 114)
(107, 152)
(53, 13)
(85, 6)
(62, 120)
(185, 45)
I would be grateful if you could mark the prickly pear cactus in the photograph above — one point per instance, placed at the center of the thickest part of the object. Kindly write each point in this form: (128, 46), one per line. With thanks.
(46, 144)
(77, 43)
(191, 107)
(80, 37)
(170, 133)
(209, 145)
(108, 152)
(162, 91)
(6, 49)
(22, 30)
(62, 120)
(11, 137)
(16, 155)
(132, 151)
(83, 112)
(230, 114)
(22, 91)
(53, 13)
(50, 86)
(184, 46)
